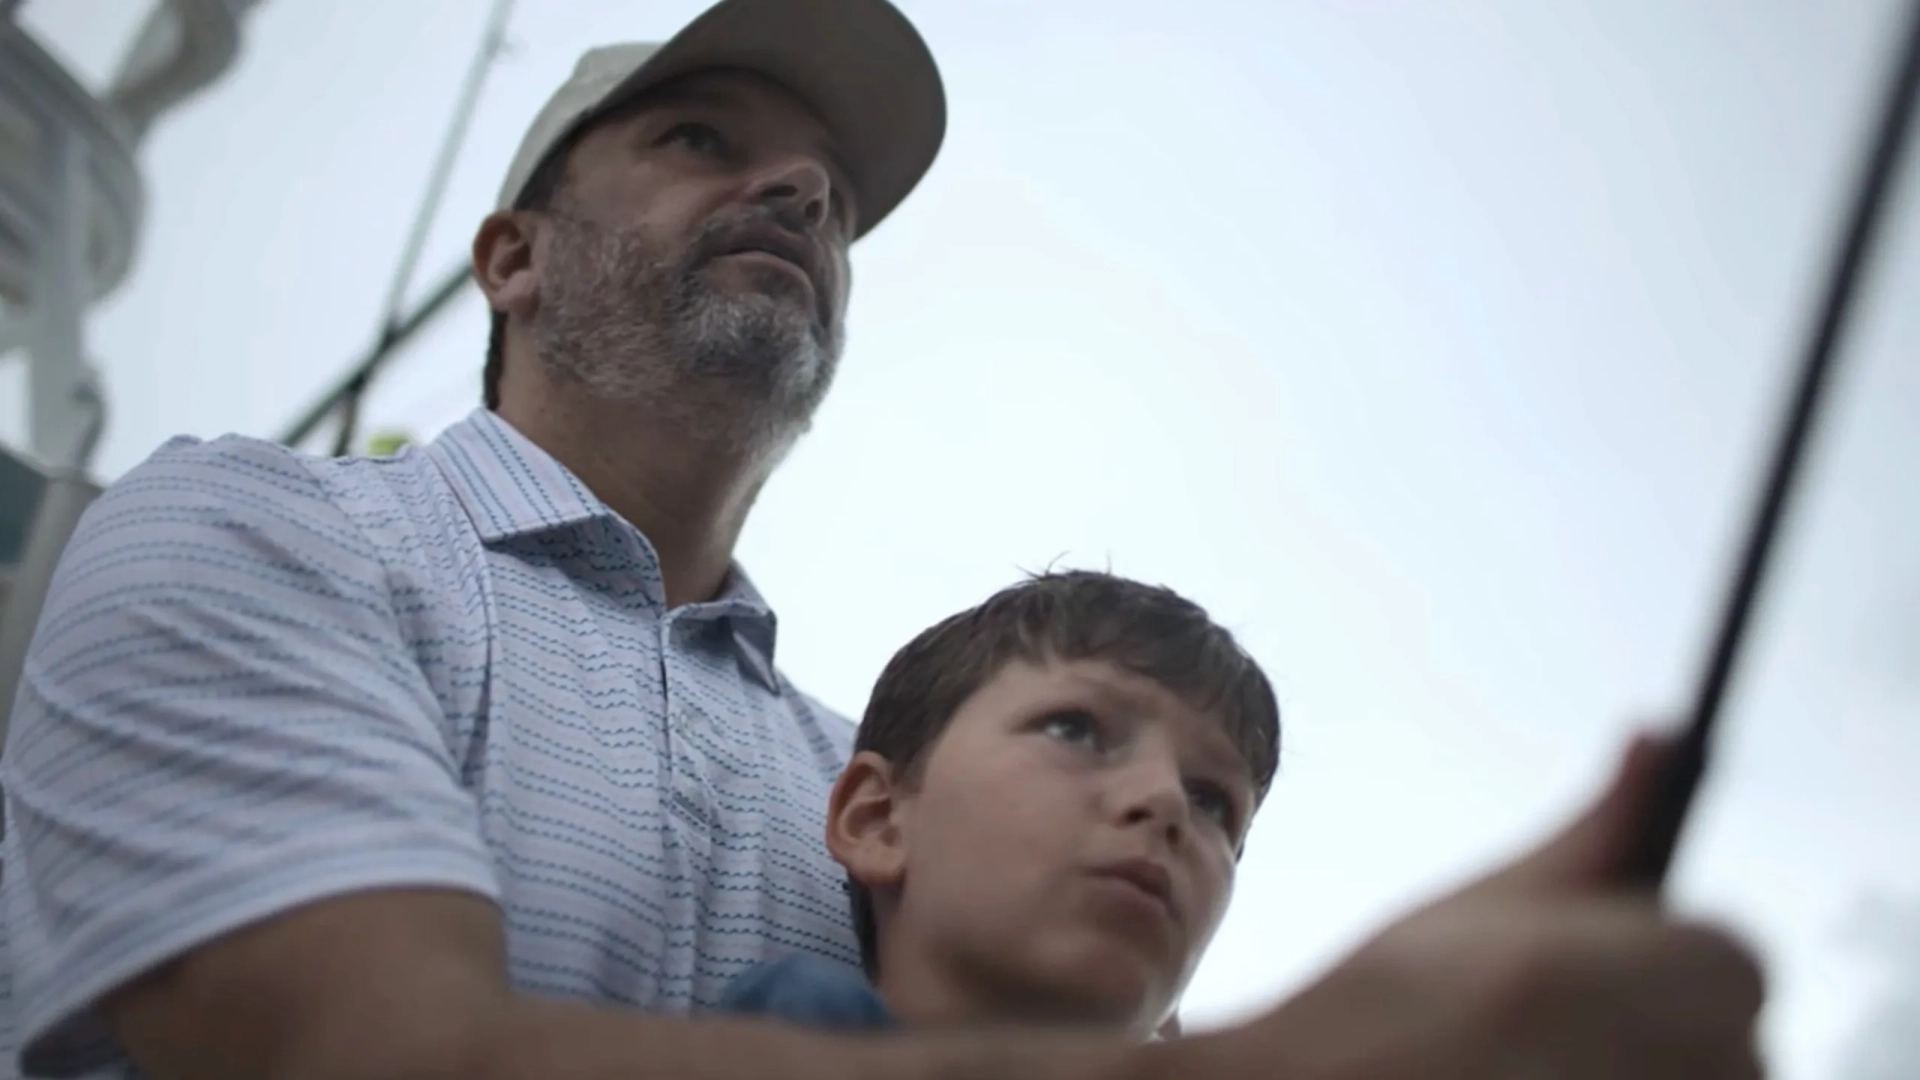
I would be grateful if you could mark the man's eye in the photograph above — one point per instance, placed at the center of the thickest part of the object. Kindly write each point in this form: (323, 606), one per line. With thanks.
(1210, 800)
(699, 138)
(1073, 726)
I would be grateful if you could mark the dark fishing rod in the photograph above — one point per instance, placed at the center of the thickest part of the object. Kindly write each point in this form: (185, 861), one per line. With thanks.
(1646, 866)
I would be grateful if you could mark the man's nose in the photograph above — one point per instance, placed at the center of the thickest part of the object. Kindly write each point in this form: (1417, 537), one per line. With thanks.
(798, 184)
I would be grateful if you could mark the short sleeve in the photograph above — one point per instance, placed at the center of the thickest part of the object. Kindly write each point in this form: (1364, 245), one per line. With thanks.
(220, 719)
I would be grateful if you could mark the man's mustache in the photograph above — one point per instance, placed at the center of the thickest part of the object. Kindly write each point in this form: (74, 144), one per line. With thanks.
(724, 236)
(718, 236)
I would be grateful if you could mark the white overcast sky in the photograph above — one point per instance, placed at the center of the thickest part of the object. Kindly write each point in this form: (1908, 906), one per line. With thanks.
(1432, 346)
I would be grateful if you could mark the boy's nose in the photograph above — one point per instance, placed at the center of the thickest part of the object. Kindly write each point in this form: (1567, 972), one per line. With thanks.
(1156, 798)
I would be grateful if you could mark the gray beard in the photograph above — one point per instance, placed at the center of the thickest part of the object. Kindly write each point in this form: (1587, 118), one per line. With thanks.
(636, 325)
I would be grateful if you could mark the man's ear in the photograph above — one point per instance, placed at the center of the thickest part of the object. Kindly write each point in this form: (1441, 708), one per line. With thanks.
(503, 262)
(864, 832)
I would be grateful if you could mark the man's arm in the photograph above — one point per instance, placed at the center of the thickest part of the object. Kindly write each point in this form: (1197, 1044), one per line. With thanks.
(244, 850)
(411, 984)
(1535, 970)
(244, 854)
(219, 721)
(1538, 969)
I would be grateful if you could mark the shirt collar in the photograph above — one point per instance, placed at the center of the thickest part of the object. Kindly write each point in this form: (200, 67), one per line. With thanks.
(755, 625)
(511, 488)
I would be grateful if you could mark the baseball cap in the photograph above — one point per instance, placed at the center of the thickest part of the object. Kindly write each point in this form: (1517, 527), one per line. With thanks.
(859, 64)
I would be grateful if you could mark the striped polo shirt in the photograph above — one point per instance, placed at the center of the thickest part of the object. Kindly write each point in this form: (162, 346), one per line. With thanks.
(263, 678)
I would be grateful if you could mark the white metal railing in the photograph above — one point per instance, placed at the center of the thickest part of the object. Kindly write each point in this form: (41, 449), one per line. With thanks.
(71, 209)
(71, 198)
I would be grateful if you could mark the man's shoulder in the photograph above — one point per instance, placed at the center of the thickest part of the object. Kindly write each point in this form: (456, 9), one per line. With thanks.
(832, 730)
(829, 715)
(221, 469)
(245, 484)
(203, 523)
(258, 472)
(213, 504)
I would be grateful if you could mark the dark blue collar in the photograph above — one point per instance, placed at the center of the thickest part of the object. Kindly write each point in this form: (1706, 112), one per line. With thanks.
(809, 991)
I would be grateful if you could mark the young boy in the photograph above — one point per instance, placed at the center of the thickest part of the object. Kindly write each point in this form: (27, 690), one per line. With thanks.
(1042, 816)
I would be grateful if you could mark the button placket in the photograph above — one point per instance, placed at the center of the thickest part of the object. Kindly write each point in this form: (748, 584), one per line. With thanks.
(691, 802)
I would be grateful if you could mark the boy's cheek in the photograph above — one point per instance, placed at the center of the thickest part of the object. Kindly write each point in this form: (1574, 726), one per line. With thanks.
(1214, 890)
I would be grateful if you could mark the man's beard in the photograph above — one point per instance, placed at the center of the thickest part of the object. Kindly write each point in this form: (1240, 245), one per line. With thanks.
(634, 323)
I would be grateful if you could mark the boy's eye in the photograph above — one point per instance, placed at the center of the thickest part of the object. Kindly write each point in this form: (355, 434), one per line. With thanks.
(1214, 802)
(699, 138)
(1073, 726)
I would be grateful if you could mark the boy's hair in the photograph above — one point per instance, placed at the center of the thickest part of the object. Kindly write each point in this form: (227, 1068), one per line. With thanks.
(1071, 615)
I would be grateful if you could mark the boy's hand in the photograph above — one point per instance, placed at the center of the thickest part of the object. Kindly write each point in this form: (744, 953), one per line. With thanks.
(1543, 968)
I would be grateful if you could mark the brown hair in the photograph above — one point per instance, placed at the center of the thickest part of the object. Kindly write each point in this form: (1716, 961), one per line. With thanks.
(1071, 615)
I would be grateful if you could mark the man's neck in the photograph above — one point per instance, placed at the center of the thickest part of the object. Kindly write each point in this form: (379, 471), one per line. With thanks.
(689, 497)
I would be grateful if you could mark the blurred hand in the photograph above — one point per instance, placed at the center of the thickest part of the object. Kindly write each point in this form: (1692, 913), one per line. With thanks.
(1541, 970)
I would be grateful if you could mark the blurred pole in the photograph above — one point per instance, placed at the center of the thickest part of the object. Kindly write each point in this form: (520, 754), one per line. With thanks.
(355, 381)
(395, 328)
(492, 43)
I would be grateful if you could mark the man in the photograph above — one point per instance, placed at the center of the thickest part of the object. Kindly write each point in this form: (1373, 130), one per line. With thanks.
(475, 763)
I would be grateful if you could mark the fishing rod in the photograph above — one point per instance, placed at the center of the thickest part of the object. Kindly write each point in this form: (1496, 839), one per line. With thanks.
(1647, 864)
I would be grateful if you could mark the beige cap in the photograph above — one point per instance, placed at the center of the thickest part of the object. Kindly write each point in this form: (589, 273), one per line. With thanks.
(859, 64)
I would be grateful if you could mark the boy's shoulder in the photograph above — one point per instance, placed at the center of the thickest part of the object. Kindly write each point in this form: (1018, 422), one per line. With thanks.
(810, 991)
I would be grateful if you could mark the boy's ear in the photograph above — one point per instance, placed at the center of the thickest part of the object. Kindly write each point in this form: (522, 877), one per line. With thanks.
(864, 832)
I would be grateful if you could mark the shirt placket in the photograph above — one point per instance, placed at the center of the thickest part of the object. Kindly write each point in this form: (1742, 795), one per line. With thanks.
(690, 806)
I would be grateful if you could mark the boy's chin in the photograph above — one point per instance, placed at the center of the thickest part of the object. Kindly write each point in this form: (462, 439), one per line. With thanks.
(1102, 984)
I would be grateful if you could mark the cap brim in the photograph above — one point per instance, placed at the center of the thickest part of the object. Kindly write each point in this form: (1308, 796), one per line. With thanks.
(859, 64)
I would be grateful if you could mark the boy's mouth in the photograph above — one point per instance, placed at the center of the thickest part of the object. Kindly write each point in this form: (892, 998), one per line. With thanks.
(1148, 877)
